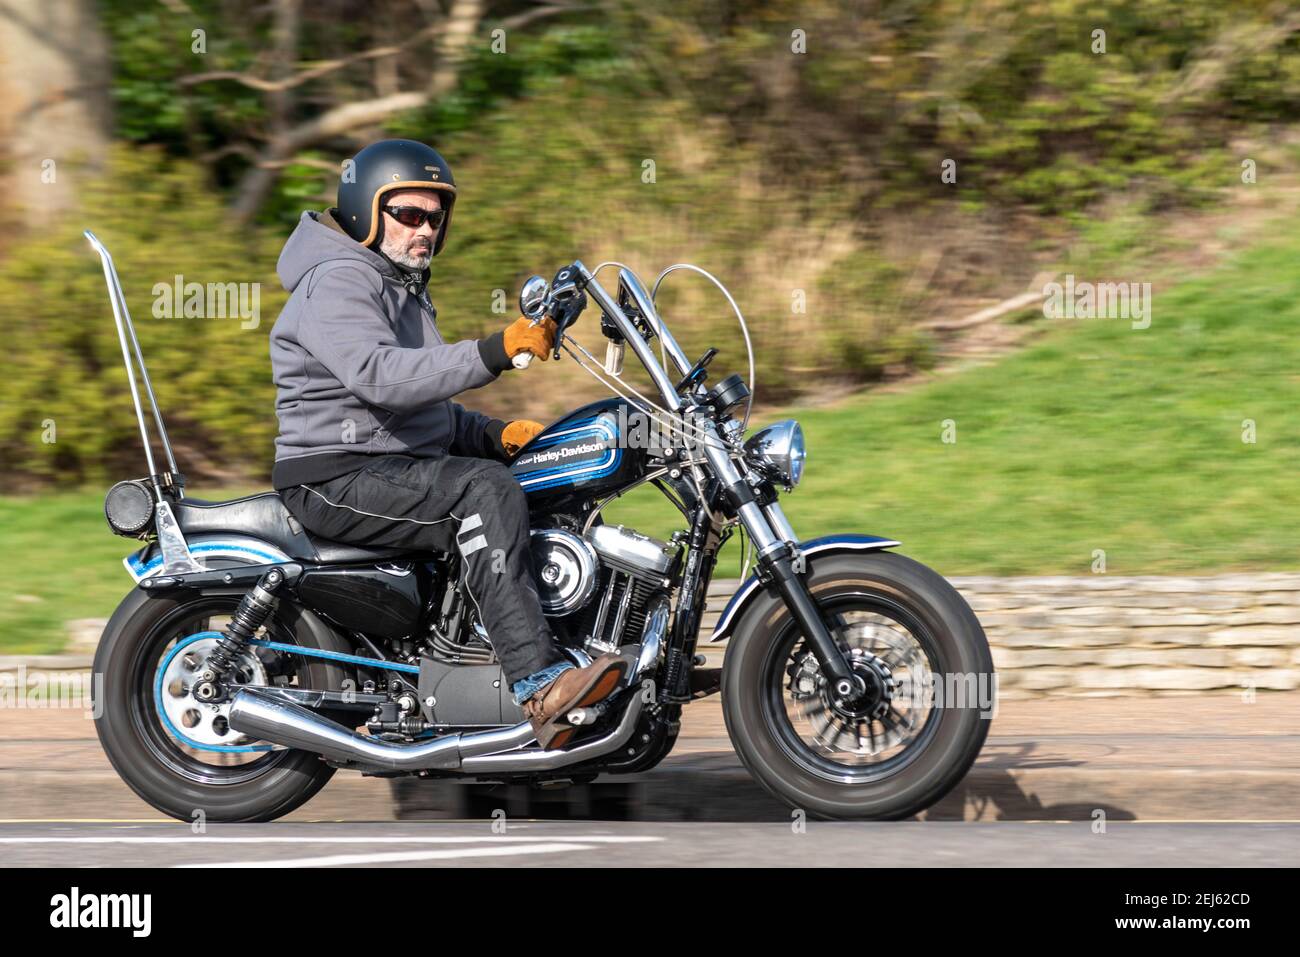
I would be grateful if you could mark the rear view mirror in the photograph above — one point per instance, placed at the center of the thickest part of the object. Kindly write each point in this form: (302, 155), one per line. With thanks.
(532, 297)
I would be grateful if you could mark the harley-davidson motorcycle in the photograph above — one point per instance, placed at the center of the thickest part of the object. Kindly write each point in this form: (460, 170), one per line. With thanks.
(253, 659)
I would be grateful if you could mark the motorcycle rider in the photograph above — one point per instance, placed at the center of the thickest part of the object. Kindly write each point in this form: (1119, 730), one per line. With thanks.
(372, 449)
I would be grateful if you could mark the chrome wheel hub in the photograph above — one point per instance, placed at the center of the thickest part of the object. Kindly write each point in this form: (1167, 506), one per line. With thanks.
(204, 723)
(886, 716)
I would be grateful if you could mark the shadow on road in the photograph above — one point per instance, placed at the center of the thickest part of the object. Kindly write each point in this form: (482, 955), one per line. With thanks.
(714, 787)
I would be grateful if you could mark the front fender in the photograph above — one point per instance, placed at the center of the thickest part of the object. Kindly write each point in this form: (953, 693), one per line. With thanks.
(750, 588)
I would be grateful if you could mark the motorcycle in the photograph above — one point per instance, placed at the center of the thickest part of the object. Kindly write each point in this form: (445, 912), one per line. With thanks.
(253, 658)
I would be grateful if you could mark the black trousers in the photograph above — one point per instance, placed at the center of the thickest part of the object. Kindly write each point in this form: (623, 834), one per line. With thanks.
(473, 505)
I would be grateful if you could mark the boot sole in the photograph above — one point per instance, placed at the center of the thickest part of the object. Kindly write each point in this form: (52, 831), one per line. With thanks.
(552, 735)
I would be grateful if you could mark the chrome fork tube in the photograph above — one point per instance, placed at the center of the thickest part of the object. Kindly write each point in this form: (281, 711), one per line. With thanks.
(770, 533)
(642, 348)
(751, 516)
(780, 524)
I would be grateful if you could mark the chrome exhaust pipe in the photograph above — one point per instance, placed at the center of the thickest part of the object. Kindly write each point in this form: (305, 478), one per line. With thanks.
(281, 722)
(267, 718)
(533, 760)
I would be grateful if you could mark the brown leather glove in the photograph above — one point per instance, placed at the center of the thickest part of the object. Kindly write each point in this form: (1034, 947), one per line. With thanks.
(522, 336)
(519, 433)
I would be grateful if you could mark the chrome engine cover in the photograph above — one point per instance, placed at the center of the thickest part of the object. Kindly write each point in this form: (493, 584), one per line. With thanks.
(609, 585)
(567, 570)
(636, 553)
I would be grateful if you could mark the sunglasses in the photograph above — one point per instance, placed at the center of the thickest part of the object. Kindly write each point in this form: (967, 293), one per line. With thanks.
(414, 217)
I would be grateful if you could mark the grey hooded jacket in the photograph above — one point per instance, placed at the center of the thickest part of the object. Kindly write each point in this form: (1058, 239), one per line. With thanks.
(360, 367)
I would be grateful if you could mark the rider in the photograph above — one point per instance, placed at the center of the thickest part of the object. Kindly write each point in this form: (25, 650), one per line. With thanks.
(371, 448)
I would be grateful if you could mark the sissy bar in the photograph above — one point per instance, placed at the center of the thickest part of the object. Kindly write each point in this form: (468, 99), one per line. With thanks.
(175, 550)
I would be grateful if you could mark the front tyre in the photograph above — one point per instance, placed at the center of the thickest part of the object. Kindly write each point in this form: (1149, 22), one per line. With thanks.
(892, 752)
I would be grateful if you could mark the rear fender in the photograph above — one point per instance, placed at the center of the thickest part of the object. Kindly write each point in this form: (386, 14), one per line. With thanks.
(207, 549)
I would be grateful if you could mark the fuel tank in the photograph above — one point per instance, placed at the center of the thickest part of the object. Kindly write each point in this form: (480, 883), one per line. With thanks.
(584, 455)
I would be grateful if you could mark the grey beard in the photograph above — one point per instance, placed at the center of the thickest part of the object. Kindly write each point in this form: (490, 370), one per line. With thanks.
(404, 258)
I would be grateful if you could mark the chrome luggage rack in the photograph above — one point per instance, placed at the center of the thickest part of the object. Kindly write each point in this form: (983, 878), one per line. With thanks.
(176, 552)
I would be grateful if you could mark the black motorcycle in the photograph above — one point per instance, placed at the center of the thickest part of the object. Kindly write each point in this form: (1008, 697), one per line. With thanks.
(253, 658)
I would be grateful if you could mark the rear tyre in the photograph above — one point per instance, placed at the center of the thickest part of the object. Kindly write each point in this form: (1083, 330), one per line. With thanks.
(246, 781)
(897, 750)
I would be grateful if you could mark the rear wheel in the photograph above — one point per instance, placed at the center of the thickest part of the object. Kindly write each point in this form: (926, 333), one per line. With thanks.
(887, 754)
(179, 754)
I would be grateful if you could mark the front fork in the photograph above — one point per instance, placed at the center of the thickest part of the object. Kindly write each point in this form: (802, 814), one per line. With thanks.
(779, 567)
(780, 564)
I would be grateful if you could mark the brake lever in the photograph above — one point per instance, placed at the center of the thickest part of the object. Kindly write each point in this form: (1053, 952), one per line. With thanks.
(525, 359)
(568, 303)
(564, 302)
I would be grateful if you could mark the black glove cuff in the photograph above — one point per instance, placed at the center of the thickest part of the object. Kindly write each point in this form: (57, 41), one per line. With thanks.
(492, 351)
(493, 436)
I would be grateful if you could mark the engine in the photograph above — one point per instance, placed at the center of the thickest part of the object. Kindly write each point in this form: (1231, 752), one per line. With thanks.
(604, 589)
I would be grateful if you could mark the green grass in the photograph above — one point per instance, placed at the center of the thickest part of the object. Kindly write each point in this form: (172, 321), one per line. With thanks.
(58, 562)
(1099, 436)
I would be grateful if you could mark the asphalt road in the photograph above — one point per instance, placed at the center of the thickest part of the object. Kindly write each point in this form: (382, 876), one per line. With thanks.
(641, 844)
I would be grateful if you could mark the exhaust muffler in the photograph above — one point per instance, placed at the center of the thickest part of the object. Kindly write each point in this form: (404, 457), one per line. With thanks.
(503, 750)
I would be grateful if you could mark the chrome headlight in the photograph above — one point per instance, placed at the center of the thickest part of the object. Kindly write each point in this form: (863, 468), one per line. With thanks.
(778, 452)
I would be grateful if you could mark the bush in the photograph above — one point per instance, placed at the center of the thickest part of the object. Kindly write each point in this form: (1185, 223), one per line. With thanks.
(66, 381)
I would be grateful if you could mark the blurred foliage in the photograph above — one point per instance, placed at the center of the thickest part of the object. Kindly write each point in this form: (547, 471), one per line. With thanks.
(779, 171)
(1013, 92)
(159, 219)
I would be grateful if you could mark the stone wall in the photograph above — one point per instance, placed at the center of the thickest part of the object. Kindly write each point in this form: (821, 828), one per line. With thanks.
(1107, 635)
(1098, 635)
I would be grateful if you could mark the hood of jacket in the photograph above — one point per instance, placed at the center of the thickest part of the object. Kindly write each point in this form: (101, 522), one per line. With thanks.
(318, 238)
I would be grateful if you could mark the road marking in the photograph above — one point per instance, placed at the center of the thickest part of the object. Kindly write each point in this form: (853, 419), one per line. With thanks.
(88, 820)
(392, 857)
(324, 839)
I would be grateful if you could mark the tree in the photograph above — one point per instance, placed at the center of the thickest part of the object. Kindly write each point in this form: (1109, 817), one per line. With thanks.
(293, 123)
(54, 90)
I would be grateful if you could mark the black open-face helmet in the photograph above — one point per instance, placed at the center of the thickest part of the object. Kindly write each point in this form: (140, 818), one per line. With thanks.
(382, 168)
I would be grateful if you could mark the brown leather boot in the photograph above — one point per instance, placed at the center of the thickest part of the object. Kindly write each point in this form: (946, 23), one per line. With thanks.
(574, 688)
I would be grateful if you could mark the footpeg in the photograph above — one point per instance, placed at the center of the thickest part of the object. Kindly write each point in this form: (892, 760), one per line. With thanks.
(581, 717)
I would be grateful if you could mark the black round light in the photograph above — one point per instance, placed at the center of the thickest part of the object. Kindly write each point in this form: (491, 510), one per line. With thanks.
(728, 394)
(128, 506)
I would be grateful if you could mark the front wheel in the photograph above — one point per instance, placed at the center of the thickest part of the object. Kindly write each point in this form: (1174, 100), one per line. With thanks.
(898, 748)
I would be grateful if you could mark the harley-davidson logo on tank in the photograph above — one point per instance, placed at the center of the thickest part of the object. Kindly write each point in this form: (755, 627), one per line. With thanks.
(579, 451)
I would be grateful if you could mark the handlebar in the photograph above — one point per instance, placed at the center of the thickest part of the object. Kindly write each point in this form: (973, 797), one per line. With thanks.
(565, 299)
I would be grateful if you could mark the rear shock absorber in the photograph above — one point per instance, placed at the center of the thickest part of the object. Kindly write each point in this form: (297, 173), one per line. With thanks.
(255, 607)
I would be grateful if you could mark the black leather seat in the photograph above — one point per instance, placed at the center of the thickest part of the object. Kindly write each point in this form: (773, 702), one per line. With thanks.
(264, 516)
